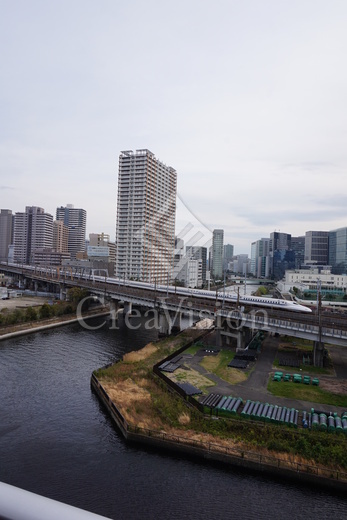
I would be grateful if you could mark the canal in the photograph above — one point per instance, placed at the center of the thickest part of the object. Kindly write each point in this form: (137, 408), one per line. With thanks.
(56, 440)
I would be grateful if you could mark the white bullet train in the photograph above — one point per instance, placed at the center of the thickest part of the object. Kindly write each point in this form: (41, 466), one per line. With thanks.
(219, 296)
(164, 290)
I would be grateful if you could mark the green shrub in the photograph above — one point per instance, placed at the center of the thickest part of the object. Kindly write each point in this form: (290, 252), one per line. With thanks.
(30, 314)
(45, 311)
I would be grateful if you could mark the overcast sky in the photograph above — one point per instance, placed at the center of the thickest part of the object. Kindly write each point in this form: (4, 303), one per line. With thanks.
(246, 99)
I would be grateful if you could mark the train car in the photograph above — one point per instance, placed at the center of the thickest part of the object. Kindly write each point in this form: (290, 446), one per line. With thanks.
(220, 295)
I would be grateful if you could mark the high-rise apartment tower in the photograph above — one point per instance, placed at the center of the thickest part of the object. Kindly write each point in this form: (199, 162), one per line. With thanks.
(33, 230)
(217, 253)
(75, 219)
(146, 208)
(6, 227)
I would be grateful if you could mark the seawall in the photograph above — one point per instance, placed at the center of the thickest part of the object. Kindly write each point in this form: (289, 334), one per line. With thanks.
(308, 474)
(28, 328)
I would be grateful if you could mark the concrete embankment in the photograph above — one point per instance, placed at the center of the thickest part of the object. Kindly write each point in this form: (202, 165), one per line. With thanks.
(36, 326)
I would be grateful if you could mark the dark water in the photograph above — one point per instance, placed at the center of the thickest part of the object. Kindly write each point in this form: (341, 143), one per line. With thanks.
(57, 441)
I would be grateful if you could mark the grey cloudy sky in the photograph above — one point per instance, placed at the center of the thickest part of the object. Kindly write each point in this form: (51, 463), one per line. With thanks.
(245, 99)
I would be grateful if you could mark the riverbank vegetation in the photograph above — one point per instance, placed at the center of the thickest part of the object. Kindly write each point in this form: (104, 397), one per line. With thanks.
(146, 402)
(17, 316)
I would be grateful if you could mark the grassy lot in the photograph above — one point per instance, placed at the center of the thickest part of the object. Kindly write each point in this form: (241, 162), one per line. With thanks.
(193, 349)
(182, 375)
(219, 365)
(303, 392)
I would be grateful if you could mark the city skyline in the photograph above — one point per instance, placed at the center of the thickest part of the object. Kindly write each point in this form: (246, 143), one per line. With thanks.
(247, 104)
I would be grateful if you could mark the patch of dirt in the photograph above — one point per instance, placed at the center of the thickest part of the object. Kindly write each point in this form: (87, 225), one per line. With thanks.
(22, 302)
(333, 385)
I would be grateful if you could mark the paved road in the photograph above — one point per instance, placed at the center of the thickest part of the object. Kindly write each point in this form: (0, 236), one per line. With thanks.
(338, 356)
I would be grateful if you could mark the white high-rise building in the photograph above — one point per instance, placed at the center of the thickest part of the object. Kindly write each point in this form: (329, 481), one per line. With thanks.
(191, 273)
(146, 209)
(33, 230)
(75, 219)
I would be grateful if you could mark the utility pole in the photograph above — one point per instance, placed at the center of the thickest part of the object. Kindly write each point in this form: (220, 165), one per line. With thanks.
(224, 290)
(317, 349)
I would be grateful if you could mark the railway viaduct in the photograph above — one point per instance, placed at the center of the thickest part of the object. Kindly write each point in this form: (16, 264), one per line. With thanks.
(232, 323)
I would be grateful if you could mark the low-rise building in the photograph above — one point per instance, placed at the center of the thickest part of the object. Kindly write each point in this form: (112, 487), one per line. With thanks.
(306, 280)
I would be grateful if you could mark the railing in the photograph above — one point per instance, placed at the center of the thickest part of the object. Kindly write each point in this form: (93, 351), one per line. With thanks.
(18, 504)
(268, 323)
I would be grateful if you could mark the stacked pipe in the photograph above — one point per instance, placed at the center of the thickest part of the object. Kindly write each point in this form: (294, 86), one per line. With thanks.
(222, 403)
(324, 421)
(271, 413)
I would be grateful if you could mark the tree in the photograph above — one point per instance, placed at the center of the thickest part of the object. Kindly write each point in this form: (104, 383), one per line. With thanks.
(261, 291)
(15, 317)
(330, 296)
(45, 311)
(30, 314)
(75, 295)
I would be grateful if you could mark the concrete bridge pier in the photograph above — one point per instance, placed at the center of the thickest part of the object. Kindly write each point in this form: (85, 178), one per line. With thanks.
(218, 335)
(242, 336)
(114, 311)
(176, 320)
(318, 353)
(62, 293)
(128, 308)
(165, 325)
(246, 336)
(169, 322)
